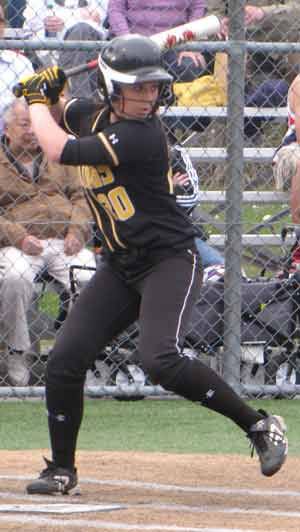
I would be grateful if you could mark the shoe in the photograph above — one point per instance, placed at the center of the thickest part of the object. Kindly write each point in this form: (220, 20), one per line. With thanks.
(268, 439)
(53, 480)
(98, 375)
(17, 368)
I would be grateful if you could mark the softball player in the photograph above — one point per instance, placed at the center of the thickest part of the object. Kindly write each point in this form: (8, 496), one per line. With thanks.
(151, 269)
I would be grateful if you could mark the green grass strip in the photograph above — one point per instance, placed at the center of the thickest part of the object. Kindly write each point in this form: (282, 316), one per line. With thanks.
(172, 426)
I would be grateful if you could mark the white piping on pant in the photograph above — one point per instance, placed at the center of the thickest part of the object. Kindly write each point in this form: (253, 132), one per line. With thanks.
(185, 300)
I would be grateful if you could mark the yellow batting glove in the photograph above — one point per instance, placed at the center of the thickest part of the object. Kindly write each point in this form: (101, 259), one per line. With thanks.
(43, 87)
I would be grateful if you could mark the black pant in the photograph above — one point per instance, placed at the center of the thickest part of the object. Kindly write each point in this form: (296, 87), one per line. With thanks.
(162, 302)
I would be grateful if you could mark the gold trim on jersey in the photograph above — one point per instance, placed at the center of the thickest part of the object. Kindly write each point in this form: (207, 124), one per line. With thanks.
(107, 210)
(95, 123)
(109, 148)
(66, 107)
(170, 180)
(98, 218)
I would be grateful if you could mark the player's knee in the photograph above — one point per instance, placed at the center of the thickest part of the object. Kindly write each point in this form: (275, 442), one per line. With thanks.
(63, 369)
(161, 369)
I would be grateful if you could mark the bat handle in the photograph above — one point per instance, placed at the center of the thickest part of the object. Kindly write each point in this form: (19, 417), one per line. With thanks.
(81, 68)
(18, 90)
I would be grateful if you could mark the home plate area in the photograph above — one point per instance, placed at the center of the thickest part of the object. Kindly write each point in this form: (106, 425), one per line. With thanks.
(157, 492)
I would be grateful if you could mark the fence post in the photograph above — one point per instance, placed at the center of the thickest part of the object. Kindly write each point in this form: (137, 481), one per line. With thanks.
(234, 195)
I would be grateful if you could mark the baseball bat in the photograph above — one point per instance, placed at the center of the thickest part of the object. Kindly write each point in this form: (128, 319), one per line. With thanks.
(69, 72)
(191, 31)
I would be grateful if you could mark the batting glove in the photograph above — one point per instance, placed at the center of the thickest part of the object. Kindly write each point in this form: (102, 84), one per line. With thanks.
(44, 87)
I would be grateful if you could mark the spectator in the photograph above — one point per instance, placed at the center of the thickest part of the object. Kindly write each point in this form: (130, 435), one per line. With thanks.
(53, 18)
(44, 225)
(12, 65)
(138, 16)
(186, 183)
(273, 18)
(286, 162)
(78, 20)
(14, 13)
(277, 21)
(269, 74)
(84, 84)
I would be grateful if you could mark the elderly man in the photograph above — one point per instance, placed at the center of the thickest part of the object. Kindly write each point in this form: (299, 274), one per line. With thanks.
(44, 224)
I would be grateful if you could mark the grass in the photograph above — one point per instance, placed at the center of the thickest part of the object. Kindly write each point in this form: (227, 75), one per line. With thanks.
(153, 425)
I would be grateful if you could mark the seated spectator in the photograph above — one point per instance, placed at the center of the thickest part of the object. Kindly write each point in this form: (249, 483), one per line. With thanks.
(286, 163)
(14, 13)
(52, 18)
(44, 225)
(79, 20)
(13, 65)
(85, 84)
(186, 183)
(271, 20)
(274, 22)
(269, 74)
(148, 18)
(269, 93)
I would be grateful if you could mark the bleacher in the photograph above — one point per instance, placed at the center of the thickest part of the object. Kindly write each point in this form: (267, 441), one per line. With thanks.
(218, 155)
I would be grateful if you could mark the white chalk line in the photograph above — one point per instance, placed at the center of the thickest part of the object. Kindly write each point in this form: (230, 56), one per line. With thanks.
(173, 487)
(116, 526)
(155, 506)
(56, 508)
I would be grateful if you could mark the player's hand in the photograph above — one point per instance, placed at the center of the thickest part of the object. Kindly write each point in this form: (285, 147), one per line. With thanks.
(72, 245)
(32, 245)
(43, 87)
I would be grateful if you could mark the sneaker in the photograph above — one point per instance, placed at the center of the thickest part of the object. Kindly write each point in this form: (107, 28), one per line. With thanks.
(268, 439)
(17, 368)
(53, 480)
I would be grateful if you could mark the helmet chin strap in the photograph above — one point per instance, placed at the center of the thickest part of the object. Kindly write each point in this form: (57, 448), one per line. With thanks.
(121, 113)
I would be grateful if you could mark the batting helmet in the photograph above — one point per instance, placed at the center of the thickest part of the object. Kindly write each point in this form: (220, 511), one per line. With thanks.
(128, 60)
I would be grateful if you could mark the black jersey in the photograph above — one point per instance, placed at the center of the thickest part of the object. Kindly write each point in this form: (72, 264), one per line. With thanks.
(125, 172)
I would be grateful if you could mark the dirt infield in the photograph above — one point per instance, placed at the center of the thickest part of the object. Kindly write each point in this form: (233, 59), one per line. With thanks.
(153, 492)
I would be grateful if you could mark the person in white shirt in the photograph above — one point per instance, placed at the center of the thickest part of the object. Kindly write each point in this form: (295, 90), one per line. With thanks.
(52, 18)
(79, 20)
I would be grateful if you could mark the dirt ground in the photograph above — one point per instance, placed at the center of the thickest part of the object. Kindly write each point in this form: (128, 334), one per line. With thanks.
(159, 492)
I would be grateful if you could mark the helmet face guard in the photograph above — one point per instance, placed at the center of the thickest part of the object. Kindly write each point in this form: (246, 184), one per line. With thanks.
(130, 60)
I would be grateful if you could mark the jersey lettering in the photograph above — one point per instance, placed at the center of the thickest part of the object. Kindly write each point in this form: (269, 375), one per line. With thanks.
(105, 174)
(97, 177)
(117, 203)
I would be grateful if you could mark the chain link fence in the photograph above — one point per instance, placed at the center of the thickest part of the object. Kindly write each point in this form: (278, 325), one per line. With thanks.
(230, 113)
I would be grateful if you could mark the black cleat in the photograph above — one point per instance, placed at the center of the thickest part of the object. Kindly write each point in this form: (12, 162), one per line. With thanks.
(268, 439)
(53, 480)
